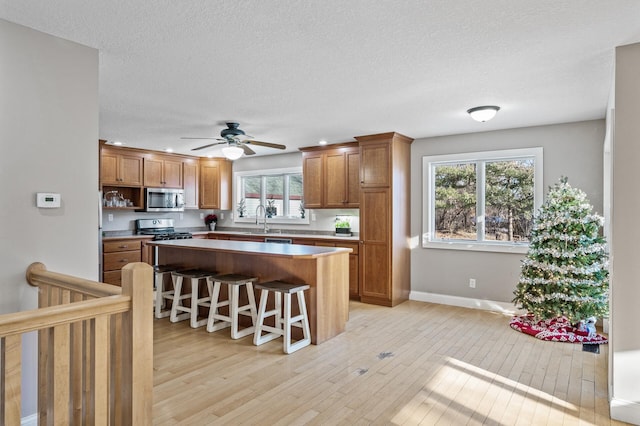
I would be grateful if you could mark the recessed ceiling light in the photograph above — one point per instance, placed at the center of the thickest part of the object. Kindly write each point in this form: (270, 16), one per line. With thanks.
(483, 113)
(168, 150)
(118, 143)
(322, 142)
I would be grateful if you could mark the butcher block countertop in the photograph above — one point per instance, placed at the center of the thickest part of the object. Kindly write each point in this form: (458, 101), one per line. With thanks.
(246, 247)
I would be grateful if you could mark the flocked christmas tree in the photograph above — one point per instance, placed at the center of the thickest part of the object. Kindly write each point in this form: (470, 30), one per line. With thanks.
(565, 271)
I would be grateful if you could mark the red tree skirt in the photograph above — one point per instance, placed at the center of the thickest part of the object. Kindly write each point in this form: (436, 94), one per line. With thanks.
(556, 330)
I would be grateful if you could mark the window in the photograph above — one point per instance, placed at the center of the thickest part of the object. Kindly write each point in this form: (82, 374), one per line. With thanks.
(482, 200)
(278, 190)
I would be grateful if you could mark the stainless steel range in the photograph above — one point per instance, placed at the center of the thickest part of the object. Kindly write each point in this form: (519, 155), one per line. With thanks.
(161, 229)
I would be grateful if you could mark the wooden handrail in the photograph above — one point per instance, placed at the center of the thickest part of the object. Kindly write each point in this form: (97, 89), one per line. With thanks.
(95, 344)
(37, 274)
(39, 319)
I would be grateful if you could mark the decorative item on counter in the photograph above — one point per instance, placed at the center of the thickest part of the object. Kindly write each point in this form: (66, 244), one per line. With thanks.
(210, 220)
(242, 207)
(271, 208)
(343, 225)
(301, 209)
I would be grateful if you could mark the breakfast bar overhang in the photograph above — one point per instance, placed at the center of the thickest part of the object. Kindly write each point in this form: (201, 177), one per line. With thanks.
(324, 269)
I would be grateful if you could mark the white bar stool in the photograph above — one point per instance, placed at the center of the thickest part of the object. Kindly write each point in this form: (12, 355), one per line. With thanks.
(191, 311)
(233, 282)
(283, 320)
(160, 293)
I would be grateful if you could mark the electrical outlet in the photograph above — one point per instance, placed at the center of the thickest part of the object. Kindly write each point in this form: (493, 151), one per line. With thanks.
(221, 216)
(201, 215)
(181, 216)
(110, 217)
(313, 217)
(472, 282)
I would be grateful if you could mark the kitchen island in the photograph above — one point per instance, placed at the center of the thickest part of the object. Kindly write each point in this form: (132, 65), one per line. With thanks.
(325, 269)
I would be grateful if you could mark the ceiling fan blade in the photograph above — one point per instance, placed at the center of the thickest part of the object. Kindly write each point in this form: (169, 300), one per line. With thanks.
(207, 146)
(247, 150)
(184, 137)
(267, 144)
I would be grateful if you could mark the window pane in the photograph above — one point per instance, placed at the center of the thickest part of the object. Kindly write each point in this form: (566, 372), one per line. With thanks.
(455, 201)
(509, 197)
(275, 195)
(251, 190)
(295, 194)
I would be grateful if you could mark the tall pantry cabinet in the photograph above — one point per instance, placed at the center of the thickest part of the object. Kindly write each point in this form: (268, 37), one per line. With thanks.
(385, 173)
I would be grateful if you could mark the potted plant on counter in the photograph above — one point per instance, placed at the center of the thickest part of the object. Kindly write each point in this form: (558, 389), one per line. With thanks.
(210, 220)
(343, 227)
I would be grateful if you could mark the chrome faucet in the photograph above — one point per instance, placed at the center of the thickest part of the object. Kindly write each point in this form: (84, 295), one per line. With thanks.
(264, 212)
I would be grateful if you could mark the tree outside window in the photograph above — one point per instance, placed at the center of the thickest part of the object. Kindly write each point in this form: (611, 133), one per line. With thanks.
(481, 198)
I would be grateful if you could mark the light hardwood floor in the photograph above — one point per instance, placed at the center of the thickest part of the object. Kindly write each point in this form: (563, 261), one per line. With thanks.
(416, 363)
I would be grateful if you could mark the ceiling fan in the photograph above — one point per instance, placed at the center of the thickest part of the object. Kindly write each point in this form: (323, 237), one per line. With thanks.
(237, 142)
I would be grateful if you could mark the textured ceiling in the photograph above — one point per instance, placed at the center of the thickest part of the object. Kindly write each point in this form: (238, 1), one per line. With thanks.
(295, 72)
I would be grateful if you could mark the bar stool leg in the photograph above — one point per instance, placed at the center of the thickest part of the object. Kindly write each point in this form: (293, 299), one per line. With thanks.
(286, 342)
(213, 310)
(197, 301)
(260, 327)
(235, 310)
(175, 317)
(252, 304)
(159, 286)
(304, 323)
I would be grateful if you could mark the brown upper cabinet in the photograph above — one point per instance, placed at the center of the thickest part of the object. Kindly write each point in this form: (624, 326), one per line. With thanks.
(312, 177)
(190, 180)
(375, 167)
(162, 171)
(215, 184)
(331, 176)
(119, 167)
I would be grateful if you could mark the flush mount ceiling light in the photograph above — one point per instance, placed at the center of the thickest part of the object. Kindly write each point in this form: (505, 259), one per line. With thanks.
(483, 113)
(232, 152)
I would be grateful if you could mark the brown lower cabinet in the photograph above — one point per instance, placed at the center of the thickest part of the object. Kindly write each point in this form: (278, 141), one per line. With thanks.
(118, 252)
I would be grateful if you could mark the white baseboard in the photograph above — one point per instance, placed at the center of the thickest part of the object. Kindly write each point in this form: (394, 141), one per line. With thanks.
(31, 420)
(465, 302)
(625, 411)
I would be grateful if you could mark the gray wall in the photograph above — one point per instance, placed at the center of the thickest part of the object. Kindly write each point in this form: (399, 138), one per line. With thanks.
(48, 136)
(574, 150)
(625, 234)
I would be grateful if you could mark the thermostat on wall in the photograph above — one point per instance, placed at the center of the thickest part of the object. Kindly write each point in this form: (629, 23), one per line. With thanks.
(47, 200)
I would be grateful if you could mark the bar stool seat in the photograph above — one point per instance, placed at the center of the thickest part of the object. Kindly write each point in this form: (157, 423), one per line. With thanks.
(191, 311)
(283, 321)
(160, 293)
(218, 321)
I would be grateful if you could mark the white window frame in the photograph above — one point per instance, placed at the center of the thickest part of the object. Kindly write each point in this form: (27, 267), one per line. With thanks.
(429, 163)
(251, 216)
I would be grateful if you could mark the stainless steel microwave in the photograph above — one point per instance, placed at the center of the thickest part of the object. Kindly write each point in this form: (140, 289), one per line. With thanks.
(163, 200)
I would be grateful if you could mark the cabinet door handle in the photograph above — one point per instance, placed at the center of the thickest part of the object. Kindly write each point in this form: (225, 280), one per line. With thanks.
(123, 246)
(124, 260)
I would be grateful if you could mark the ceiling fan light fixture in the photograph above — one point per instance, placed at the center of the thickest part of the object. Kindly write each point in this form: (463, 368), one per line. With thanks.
(232, 152)
(483, 113)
